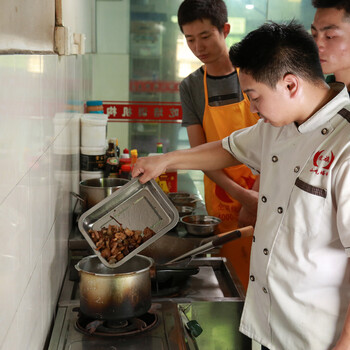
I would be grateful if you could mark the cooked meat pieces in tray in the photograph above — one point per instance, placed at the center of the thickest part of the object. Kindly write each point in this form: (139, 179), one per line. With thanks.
(114, 242)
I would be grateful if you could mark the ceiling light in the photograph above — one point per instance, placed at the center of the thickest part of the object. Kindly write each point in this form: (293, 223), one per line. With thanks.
(249, 5)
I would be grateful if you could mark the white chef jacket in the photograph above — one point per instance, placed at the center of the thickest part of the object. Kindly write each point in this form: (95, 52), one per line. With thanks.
(299, 287)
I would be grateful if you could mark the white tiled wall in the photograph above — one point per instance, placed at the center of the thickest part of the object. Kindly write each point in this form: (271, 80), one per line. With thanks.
(41, 98)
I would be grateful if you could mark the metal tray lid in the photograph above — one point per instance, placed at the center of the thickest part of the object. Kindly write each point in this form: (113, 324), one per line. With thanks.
(135, 206)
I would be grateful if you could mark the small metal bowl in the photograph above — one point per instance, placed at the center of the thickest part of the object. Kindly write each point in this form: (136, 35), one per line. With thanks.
(200, 225)
(184, 210)
(177, 195)
(185, 201)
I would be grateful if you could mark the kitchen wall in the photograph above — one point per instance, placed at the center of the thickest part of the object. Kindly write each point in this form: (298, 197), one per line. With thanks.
(41, 98)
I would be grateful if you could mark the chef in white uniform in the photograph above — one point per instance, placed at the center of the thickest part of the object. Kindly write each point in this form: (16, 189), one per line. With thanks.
(299, 288)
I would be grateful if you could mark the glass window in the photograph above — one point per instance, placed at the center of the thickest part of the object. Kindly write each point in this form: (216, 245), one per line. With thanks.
(159, 57)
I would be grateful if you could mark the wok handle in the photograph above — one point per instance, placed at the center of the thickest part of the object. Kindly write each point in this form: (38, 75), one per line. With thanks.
(225, 237)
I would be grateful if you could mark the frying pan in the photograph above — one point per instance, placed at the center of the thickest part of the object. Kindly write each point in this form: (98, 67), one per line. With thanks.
(216, 242)
(178, 274)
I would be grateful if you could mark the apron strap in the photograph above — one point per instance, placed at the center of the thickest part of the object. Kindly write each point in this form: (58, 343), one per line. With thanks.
(245, 97)
(205, 86)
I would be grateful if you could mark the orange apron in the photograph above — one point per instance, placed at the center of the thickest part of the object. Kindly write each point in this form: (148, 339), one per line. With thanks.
(219, 122)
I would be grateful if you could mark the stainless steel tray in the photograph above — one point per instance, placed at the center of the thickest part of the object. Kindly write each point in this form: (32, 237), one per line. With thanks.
(135, 206)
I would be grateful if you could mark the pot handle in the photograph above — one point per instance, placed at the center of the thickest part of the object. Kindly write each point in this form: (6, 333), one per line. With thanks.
(153, 271)
(78, 197)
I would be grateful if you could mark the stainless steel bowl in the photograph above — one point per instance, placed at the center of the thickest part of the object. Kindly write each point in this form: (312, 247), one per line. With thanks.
(184, 210)
(200, 225)
(175, 195)
(185, 201)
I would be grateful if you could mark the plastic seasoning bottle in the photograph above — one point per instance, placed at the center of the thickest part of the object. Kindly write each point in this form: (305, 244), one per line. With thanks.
(159, 147)
(125, 153)
(125, 171)
(117, 149)
(133, 153)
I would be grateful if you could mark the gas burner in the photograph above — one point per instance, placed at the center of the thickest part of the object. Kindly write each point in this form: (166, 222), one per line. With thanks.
(161, 291)
(89, 326)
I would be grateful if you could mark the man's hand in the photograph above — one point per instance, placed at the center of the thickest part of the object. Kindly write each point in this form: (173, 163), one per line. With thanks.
(148, 168)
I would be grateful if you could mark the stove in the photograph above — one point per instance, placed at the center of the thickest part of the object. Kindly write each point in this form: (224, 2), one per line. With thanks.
(210, 301)
(164, 332)
(168, 329)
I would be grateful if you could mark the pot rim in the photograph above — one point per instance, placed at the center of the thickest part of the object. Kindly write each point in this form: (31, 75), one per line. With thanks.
(140, 271)
(89, 183)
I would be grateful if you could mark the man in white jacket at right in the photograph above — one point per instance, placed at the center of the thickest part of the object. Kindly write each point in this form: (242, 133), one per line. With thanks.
(299, 288)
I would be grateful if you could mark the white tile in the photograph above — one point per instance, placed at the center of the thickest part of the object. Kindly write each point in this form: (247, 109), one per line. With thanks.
(48, 86)
(11, 340)
(40, 206)
(29, 314)
(35, 183)
(9, 126)
(61, 91)
(50, 280)
(14, 252)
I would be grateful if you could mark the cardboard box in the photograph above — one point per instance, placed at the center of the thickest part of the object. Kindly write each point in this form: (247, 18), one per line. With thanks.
(168, 181)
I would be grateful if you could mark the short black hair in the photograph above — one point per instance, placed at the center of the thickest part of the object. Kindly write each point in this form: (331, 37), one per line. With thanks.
(192, 10)
(274, 50)
(338, 4)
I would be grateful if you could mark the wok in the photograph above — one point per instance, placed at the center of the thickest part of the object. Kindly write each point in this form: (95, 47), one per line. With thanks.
(173, 275)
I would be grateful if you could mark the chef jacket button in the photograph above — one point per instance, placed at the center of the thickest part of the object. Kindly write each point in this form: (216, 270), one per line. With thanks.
(280, 210)
(253, 238)
(252, 278)
(264, 290)
(264, 199)
(296, 169)
(275, 159)
(266, 251)
(324, 131)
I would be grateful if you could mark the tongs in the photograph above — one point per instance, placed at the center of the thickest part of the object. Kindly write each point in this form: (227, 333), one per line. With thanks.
(216, 242)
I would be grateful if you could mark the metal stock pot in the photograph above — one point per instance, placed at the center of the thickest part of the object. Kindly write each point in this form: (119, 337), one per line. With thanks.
(92, 191)
(115, 294)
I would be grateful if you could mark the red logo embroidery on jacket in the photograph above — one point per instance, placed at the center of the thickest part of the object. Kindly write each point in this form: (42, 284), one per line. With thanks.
(322, 163)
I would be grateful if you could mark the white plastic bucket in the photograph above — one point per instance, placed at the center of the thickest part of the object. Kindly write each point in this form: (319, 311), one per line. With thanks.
(85, 175)
(93, 130)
